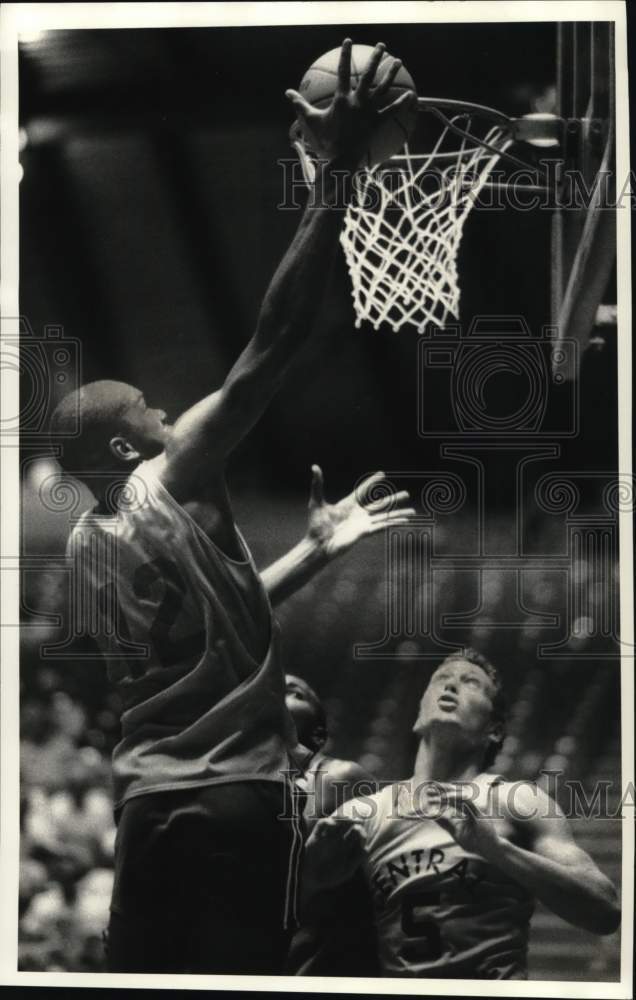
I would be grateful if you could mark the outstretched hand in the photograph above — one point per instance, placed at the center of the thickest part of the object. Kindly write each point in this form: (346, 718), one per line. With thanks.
(336, 527)
(345, 126)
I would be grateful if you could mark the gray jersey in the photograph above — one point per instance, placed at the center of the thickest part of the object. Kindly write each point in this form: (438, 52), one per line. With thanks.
(440, 912)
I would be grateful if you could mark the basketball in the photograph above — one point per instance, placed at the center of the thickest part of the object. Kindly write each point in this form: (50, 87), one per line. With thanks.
(318, 87)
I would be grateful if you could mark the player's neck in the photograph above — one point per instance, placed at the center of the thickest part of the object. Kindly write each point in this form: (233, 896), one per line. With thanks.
(435, 762)
(108, 487)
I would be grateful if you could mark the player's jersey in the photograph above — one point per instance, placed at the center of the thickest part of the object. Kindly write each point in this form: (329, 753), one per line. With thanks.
(189, 642)
(441, 912)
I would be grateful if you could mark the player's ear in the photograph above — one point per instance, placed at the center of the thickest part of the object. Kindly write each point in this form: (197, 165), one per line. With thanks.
(123, 449)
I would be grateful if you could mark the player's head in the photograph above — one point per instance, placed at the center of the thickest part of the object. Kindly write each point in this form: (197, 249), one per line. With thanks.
(464, 701)
(117, 428)
(307, 712)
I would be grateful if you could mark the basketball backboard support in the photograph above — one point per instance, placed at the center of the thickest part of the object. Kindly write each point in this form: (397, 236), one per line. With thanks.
(584, 223)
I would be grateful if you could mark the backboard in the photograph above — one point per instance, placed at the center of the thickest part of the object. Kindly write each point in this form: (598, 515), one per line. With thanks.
(584, 223)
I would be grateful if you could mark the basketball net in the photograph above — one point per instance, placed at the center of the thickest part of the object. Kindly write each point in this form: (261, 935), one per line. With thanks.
(404, 224)
(403, 229)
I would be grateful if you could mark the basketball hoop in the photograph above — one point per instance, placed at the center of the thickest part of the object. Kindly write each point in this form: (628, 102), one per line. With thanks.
(404, 224)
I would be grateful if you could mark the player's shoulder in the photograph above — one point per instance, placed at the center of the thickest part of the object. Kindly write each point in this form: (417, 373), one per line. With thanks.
(116, 520)
(522, 800)
(86, 527)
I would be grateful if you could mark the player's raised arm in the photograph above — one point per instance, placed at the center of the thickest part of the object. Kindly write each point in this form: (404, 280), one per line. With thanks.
(210, 430)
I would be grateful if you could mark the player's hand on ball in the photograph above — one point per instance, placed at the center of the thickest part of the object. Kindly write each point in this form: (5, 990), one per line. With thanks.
(459, 815)
(336, 527)
(345, 127)
(334, 850)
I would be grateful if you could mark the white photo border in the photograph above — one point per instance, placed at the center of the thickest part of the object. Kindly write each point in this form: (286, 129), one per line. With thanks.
(23, 18)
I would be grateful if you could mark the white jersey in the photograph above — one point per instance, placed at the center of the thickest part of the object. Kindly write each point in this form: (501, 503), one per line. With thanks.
(440, 912)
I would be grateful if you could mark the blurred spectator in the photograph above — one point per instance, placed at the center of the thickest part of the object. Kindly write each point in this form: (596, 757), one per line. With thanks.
(67, 839)
(46, 750)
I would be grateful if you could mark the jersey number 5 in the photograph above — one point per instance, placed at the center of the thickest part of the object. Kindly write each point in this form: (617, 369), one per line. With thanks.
(418, 924)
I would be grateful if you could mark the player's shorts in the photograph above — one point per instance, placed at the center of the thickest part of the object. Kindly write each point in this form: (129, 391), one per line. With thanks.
(205, 880)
